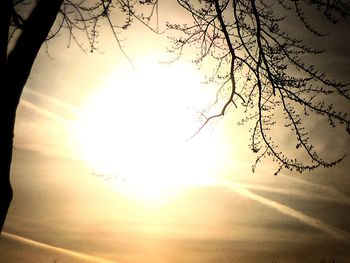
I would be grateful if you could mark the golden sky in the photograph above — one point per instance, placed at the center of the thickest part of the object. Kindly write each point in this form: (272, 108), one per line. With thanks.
(103, 167)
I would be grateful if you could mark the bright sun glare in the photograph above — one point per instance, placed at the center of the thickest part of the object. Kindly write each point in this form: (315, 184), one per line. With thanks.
(135, 130)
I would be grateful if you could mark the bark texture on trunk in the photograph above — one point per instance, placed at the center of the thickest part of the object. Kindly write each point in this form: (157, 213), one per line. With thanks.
(14, 72)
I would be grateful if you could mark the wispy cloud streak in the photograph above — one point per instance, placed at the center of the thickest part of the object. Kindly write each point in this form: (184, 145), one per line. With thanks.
(63, 109)
(59, 250)
(54, 116)
(66, 106)
(317, 192)
(327, 191)
(316, 223)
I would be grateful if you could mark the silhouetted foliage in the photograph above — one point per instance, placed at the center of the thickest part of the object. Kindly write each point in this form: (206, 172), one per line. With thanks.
(257, 62)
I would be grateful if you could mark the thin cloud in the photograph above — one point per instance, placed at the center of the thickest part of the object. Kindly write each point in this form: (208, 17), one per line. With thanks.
(329, 193)
(54, 116)
(52, 137)
(316, 223)
(319, 192)
(62, 251)
(66, 106)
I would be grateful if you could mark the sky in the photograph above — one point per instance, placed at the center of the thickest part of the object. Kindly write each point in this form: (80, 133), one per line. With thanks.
(103, 171)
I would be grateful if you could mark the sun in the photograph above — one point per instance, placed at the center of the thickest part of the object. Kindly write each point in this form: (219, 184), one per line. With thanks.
(135, 129)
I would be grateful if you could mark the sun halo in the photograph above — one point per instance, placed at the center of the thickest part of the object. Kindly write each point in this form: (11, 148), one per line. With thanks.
(135, 128)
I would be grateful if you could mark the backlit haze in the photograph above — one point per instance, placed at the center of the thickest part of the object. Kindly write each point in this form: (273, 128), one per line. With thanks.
(136, 130)
(105, 168)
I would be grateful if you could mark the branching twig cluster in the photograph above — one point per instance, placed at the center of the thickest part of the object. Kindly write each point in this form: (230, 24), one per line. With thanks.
(254, 60)
(245, 39)
(83, 19)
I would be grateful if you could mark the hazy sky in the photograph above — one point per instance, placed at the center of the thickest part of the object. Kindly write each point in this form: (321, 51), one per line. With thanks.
(168, 200)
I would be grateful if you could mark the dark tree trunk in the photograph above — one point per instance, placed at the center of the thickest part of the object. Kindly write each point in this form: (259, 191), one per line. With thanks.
(14, 72)
(7, 118)
(6, 126)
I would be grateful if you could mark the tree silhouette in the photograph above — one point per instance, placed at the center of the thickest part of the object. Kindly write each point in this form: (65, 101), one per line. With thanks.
(24, 26)
(255, 62)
